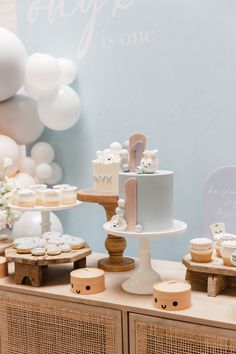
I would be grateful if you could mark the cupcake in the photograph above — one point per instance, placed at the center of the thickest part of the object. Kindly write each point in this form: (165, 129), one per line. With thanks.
(221, 238)
(51, 198)
(233, 258)
(26, 198)
(226, 250)
(69, 195)
(201, 249)
(38, 189)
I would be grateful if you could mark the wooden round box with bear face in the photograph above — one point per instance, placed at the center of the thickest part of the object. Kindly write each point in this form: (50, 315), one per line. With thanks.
(172, 295)
(86, 281)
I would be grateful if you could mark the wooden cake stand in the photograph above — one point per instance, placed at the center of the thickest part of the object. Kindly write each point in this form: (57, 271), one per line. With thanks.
(115, 245)
(215, 274)
(34, 267)
(142, 279)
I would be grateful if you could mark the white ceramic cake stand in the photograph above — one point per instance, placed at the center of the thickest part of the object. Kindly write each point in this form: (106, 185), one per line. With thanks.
(142, 279)
(45, 213)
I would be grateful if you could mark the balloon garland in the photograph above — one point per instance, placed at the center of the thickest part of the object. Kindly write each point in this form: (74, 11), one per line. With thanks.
(49, 102)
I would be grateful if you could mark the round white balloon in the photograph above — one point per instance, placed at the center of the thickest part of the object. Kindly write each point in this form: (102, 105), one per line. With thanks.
(9, 148)
(42, 152)
(29, 224)
(68, 71)
(19, 119)
(44, 171)
(12, 64)
(56, 174)
(28, 165)
(42, 72)
(61, 111)
(23, 180)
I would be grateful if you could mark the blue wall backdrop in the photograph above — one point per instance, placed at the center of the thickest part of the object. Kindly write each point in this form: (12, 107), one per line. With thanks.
(166, 68)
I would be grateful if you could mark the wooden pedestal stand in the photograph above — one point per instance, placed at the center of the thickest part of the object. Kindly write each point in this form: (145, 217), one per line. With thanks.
(114, 245)
(215, 274)
(34, 268)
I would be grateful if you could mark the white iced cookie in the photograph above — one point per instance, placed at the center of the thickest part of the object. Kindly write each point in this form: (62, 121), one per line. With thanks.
(66, 248)
(53, 250)
(56, 241)
(38, 251)
(50, 234)
(19, 240)
(24, 247)
(66, 237)
(76, 243)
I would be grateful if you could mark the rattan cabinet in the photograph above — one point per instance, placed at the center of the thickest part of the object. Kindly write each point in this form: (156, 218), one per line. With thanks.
(35, 325)
(53, 320)
(151, 335)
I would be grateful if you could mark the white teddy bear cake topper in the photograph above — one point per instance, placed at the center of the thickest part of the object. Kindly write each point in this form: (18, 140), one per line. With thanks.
(149, 163)
(118, 222)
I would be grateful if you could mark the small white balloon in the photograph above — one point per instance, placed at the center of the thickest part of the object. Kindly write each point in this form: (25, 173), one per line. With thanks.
(68, 71)
(28, 165)
(44, 171)
(42, 72)
(19, 119)
(61, 111)
(42, 152)
(116, 146)
(12, 64)
(9, 148)
(56, 174)
(29, 225)
(23, 180)
(37, 93)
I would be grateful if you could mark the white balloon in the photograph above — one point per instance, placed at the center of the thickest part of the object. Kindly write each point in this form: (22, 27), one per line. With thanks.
(56, 174)
(29, 224)
(42, 152)
(23, 180)
(36, 93)
(9, 148)
(44, 171)
(61, 111)
(68, 71)
(12, 63)
(28, 165)
(42, 72)
(19, 119)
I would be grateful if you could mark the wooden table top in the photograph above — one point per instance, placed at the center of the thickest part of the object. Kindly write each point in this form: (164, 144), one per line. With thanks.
(217, 311)
(90, 196)
(68, 257)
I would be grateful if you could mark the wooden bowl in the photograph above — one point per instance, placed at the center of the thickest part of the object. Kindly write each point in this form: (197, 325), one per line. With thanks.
(172, 295)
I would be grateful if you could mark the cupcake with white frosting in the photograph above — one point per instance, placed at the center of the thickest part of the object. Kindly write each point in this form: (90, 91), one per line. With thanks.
(201, 249)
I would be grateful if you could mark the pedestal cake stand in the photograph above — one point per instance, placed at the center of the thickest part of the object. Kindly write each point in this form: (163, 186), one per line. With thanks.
(143, 278)
(45, 213)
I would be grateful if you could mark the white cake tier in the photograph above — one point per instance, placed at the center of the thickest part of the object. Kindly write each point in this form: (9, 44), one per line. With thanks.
(154, 199)
(105, 177)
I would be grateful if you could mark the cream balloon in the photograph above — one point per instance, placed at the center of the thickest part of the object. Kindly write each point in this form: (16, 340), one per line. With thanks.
(56, 174)
(44, 171)
(9, 148)
(28, 165)
(42, 152)
(23, 180)
(42, 72)
(68, 71)
(29, 224)
(12, 64)
(61, 111)
(19, 119)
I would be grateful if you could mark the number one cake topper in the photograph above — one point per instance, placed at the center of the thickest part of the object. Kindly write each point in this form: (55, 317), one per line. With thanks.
(137, 144)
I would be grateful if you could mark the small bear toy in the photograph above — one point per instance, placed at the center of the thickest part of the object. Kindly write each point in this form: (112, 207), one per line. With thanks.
(118, 223)
(149, 163)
